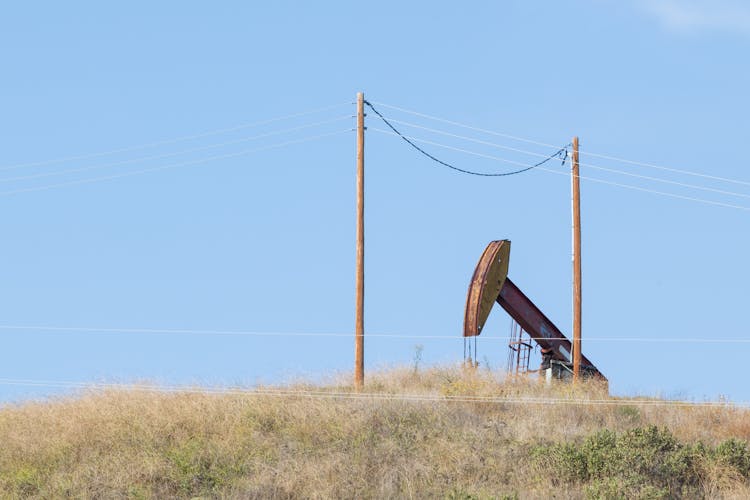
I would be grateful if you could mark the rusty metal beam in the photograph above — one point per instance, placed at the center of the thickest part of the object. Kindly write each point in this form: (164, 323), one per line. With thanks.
(539, 326)
(490, 284)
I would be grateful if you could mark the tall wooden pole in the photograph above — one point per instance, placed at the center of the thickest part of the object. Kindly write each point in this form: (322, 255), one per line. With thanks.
(576, 189)
(359, 319)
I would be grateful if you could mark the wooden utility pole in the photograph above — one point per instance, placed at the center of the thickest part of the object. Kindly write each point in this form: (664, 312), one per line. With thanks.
(359, 320)
(576, 190)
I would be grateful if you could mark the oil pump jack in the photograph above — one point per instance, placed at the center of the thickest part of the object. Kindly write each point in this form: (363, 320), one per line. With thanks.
(490, 284)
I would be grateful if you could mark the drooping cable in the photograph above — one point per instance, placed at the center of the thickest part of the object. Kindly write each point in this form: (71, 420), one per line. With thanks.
(561, 153)
(539, 143)
(582, 164)
(601, 181)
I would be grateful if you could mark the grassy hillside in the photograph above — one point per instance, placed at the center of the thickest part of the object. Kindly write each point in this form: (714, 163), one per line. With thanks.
(440, 441)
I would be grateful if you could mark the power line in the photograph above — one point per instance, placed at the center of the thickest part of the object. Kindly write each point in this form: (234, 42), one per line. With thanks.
(452, 148)
(175, 140)
(588, 165)
(626, 186)
(653, 191)
(471, 139)
(172, 165)
(666, 181)
(560, 153)
(670, 169)
(538, 143)
(181, 331)
(463, 125)
(175, 153)
(343, 395)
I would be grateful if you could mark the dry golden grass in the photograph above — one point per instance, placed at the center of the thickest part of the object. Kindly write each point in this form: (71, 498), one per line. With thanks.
(147, 444)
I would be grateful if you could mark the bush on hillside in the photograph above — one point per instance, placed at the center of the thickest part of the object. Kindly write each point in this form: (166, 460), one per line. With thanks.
(640, 463)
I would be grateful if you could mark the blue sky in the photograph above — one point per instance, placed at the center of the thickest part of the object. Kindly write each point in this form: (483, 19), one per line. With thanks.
(256, 234)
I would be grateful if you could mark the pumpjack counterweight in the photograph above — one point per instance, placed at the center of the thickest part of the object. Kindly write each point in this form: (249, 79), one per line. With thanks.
(490, 283)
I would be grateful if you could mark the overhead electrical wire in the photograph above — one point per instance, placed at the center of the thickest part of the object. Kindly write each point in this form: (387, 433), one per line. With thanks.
(452, 148)
(463, 137)
(463, 125)
(409, 140)
(665, 181)
(654, 191)
(174, 153)
(592, 179)
(176, 139)
(172, 165)
(670, 169)
(560, 153)
(539, 143)
(583, 164)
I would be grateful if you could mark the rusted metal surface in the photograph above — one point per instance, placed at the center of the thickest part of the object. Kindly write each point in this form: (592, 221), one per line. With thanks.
(485, 286)
(539, 326)
(490, 284)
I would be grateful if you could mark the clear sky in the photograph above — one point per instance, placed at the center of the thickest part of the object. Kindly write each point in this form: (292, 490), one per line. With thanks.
(234, 237)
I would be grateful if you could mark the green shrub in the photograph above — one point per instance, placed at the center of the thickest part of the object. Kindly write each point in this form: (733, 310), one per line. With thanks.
(733, 453)
(641, 463)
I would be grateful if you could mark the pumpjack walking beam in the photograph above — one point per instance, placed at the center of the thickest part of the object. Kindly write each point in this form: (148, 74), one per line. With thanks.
(490, 284)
